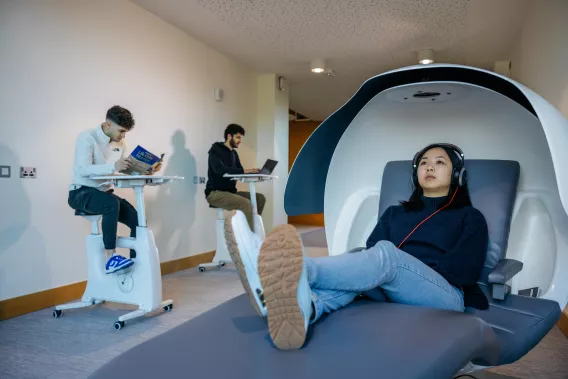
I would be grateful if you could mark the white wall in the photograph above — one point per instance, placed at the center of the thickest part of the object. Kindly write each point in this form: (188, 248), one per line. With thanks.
(540, 59)
(63, 64)
(272, 142)
(281, 146)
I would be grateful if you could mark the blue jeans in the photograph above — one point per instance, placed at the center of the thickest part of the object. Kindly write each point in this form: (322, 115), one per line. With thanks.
(381, 272)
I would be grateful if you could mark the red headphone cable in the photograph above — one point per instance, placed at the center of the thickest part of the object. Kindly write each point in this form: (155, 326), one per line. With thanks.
(427, 218)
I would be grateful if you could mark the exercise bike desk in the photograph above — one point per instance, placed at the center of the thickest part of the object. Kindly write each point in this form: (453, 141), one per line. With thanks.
(140, 284)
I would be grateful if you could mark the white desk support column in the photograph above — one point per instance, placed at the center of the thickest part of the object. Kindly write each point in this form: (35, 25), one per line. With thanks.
(252, 191)
(140, 208)
(141, 283)
(222, 253)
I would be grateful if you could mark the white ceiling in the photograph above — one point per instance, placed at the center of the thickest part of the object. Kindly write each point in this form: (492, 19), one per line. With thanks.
(359, 38)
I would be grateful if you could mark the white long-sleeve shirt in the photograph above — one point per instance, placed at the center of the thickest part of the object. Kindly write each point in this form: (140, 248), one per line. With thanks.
(95, 154)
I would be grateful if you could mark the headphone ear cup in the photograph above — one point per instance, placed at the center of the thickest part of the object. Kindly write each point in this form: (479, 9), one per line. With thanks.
(459, 177)
(463, 177)
(455, 178)
(414, 179)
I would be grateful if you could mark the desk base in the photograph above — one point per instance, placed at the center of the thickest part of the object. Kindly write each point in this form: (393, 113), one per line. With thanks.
(222, 255)
(140, 284)
(204, 266)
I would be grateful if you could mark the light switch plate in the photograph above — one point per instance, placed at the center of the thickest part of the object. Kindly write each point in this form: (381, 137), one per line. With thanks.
(5, 172)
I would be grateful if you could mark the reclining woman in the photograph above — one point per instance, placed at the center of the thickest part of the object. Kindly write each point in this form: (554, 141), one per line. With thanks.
(428, 251)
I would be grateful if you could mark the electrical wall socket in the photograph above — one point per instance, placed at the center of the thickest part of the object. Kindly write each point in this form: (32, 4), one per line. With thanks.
(5, 172)
(28, 172)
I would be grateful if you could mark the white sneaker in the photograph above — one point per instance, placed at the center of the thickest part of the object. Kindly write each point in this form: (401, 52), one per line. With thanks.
(287, 293)
(244, 248)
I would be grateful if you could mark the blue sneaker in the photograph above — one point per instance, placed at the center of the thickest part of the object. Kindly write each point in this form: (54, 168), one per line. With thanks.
(116, 263)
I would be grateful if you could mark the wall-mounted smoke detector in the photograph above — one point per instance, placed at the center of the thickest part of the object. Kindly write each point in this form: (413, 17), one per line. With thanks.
(281, 83)
(218, 94)
(426, 56)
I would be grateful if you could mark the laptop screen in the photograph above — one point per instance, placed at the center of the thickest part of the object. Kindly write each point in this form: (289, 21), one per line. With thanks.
(268, 167)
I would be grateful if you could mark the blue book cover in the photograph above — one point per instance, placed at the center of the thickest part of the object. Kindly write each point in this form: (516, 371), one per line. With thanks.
(143, 161)
(143, 155)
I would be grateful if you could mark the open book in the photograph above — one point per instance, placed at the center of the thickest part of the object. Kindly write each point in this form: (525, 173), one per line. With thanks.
(142, 161)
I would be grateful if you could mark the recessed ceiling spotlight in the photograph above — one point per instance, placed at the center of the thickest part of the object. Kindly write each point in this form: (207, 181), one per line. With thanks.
(426, 56)
(318, 66)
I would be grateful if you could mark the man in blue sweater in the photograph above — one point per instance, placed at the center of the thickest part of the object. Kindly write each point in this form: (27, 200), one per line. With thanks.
(428, 251)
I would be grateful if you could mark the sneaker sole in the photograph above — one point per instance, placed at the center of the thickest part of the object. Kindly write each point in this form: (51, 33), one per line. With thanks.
(236, 257)
(279, 266)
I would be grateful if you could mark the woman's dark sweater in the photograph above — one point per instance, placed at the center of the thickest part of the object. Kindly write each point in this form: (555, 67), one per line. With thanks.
(453, 242)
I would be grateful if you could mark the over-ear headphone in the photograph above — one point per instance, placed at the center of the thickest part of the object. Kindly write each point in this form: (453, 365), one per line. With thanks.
(459, 177)
(459, 173)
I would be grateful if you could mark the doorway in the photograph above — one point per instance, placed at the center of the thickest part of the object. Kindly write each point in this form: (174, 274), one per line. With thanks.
(299, 132)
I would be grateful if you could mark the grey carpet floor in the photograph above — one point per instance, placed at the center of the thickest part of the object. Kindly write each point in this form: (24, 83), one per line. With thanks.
(37, 346)
(315, 238)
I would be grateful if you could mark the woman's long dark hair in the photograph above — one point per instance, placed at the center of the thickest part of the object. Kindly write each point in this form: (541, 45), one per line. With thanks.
(462, 199)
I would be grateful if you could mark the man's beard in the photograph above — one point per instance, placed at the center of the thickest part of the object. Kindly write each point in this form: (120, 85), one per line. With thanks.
(233, 144)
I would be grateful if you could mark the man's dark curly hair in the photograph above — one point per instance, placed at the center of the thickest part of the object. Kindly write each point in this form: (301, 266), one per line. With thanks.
(233, 129)
(120, 116)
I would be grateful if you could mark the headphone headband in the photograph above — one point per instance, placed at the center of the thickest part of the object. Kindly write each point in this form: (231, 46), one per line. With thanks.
(454, 148)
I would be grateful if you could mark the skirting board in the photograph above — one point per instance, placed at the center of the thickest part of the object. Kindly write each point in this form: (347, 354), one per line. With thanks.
(33, 302)
(563, 323)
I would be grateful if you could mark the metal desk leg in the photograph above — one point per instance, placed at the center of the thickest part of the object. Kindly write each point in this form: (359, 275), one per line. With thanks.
(252, 191)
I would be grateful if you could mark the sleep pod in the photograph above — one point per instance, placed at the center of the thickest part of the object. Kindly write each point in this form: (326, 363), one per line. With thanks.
(353, 167)
(358, 162)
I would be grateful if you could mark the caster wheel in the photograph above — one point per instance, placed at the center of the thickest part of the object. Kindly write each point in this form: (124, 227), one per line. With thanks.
(201, 269)
(119, 325)
(222, 264)
(168, 308)
(56, 313)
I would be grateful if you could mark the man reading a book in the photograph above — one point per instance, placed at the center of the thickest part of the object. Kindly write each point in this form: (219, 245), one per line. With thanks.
(102, 151)
(222, 192)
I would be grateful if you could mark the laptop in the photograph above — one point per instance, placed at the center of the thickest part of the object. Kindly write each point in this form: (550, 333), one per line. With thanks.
(268, 167)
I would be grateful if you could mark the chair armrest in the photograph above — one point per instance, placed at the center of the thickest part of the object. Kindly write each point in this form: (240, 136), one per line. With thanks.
(501, 274)
(504, 271)
(356, 249)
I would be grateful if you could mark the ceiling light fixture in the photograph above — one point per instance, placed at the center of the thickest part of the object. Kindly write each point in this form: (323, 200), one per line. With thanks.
(425, 56)
(318, 66)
